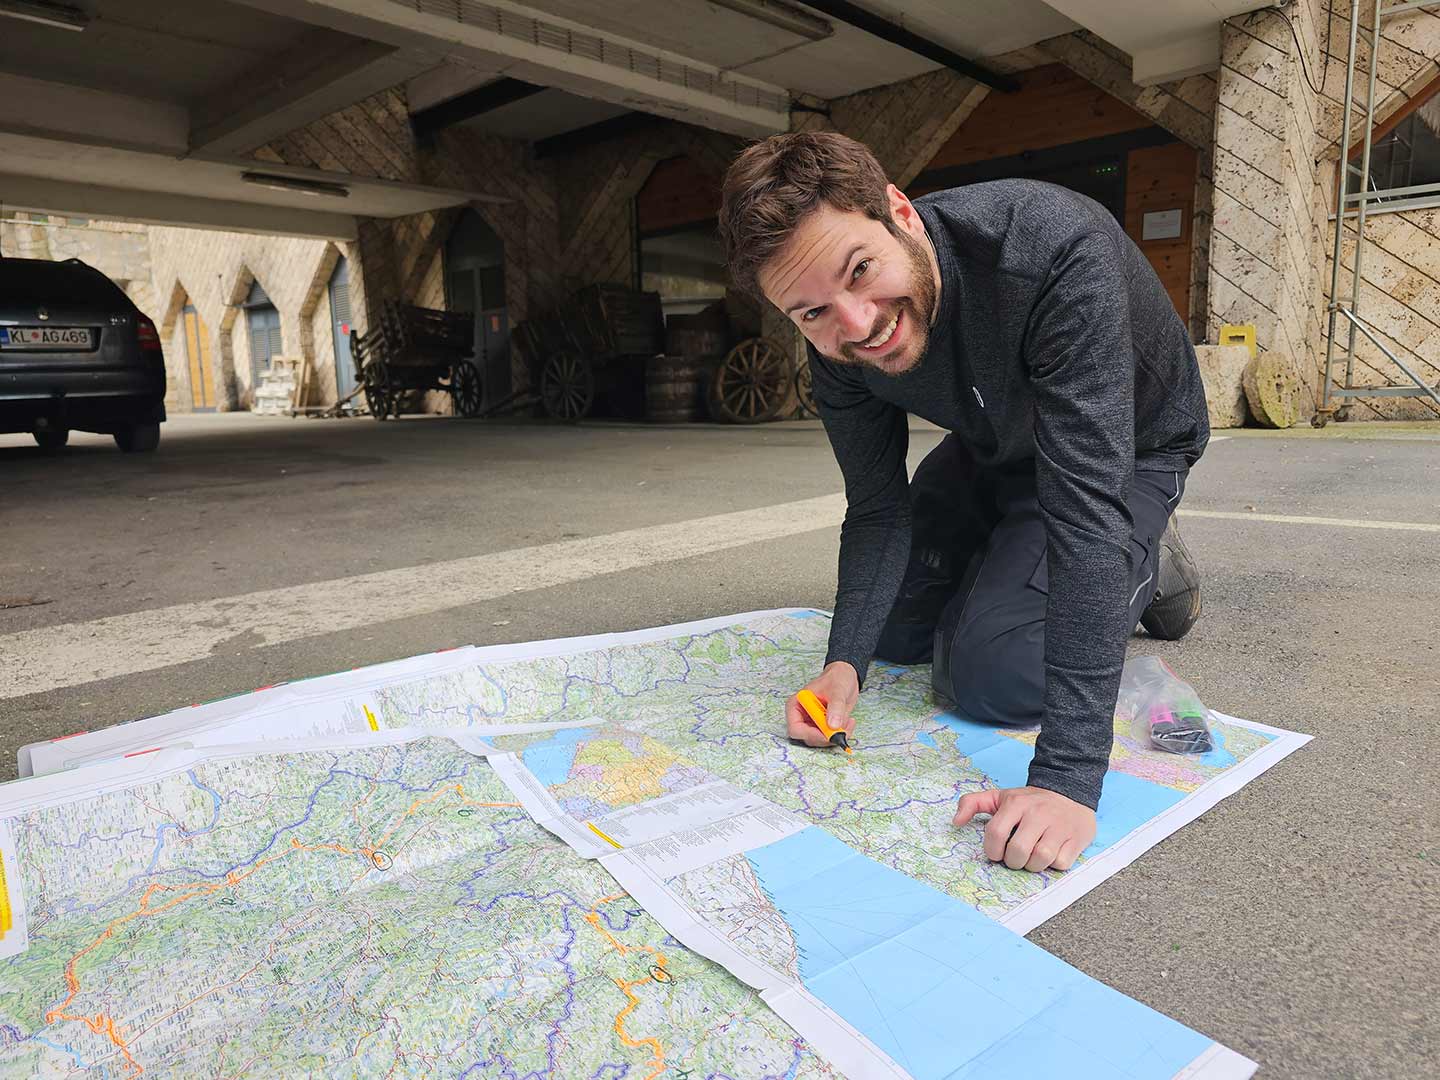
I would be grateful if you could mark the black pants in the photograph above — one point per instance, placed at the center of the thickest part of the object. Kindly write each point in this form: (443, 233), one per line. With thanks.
(974, 594)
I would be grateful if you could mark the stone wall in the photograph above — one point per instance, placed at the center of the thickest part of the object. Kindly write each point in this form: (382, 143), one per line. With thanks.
(515, 196)
(903, 123)
(119, 250)
(1277, 147)
(598, 184)
(1400, 294)
(1266, 240)
(213, 271)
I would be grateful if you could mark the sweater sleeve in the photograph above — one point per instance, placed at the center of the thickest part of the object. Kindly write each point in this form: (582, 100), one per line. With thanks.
(869, 438)
(1076, 350)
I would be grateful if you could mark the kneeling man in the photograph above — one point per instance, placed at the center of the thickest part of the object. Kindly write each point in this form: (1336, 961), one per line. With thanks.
(1019, 317)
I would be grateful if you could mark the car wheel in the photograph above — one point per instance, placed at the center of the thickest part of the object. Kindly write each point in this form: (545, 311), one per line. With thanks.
(138, 438)
(52, 440)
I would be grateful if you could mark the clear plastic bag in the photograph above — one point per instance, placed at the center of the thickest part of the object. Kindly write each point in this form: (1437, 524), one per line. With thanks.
(1165, 710)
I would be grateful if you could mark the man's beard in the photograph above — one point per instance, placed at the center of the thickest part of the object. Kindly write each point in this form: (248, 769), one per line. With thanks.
(919, 309)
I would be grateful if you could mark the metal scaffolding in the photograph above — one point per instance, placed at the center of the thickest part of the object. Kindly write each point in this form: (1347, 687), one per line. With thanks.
(1347, 325)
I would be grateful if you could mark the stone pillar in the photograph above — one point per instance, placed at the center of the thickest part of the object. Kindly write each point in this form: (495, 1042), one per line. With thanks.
(1265, 253)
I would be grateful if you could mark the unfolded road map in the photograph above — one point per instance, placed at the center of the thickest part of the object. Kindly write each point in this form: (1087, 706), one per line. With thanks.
(387, 904)
(349, 911)
(593, 858)
(714, 692)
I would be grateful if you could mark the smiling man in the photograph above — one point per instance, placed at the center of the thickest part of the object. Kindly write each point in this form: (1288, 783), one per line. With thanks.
(1019, 317)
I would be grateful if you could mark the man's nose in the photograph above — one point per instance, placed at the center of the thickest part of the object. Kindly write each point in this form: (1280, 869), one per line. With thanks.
(855, 318)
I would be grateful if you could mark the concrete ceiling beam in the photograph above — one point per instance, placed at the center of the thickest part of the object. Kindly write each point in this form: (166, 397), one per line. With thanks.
(1165, 41)
(31, 106)
(477, 102)
(567, 55)
(323, 72)
(444, 82)
(907, 39)
(46, 195)
(1177, 58)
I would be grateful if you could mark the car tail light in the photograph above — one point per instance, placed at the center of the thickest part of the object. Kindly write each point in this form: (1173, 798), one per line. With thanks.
(148, 335)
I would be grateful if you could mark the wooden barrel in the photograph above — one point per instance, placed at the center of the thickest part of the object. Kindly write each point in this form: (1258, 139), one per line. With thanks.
(674, 388)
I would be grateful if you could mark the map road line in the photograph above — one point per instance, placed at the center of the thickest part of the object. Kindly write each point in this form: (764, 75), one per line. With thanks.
(72, 654)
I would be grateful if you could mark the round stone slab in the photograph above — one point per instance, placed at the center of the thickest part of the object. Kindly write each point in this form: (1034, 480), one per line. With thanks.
(1272, 389)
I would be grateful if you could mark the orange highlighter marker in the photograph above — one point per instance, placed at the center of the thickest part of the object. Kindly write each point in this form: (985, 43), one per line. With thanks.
(816, 711)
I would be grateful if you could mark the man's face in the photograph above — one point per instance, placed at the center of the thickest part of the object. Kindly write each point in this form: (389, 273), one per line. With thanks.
(860, 294)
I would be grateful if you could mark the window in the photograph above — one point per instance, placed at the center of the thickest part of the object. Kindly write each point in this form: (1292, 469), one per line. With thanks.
(686, 267)
(678, 251)
(1408, 155)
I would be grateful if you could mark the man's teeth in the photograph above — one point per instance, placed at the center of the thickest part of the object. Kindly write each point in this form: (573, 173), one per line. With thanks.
(884, 335)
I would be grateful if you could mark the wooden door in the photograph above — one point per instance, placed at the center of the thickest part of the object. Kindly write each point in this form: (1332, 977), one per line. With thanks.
(1160, 193)
(197, 351)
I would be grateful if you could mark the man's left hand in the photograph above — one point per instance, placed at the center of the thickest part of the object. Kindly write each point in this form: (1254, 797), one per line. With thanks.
(1030, 828)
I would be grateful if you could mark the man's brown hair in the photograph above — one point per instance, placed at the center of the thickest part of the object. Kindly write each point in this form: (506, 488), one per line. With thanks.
(775, 183)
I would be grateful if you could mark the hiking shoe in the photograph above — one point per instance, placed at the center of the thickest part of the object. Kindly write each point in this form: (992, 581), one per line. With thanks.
(1176, 604)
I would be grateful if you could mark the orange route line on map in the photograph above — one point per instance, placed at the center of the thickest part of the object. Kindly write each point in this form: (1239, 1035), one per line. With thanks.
(657, 1051)
(103, 1024)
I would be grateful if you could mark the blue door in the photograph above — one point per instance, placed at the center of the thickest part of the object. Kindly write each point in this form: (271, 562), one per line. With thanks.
(263, 321)
(340, 329)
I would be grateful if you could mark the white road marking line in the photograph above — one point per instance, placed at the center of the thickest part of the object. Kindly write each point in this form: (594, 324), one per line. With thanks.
(72, 654)
(1290, 519)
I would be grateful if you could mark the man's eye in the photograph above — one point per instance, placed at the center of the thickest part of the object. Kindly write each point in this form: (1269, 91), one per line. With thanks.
(860, 268)
(813, 314)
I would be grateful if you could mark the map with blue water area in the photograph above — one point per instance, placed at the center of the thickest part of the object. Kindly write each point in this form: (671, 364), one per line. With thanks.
(716, 697)
(594, 771)
(387, 910)
(944, 991)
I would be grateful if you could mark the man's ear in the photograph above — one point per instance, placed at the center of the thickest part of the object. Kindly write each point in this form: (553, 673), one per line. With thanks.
(902, 210)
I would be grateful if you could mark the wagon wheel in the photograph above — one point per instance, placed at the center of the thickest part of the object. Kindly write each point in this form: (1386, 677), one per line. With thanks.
(567, 386)
(465, 390)
(378, 397)
(805, 389)
(752, 383)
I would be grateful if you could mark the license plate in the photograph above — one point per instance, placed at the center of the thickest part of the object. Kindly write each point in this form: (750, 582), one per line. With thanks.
(46, 337)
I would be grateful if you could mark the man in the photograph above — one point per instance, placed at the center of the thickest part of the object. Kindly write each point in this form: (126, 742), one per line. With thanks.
(1020, 317)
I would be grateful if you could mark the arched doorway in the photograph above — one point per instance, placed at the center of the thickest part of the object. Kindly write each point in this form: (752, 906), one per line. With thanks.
(679, 250)
(262, 320)
(475, 282)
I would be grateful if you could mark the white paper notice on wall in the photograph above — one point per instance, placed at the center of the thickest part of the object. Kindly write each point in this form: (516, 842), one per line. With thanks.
(1162, 225)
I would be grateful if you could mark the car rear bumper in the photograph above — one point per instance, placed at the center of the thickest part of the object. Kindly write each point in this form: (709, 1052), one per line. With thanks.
(100, 400)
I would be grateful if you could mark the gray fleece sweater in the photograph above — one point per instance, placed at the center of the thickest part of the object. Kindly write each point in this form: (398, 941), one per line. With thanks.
(1055, 343)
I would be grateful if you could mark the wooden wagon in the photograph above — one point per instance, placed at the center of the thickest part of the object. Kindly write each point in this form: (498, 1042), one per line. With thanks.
(595, 346)
(414, 349)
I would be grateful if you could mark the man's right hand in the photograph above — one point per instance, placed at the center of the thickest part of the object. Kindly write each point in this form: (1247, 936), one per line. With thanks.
(838, 688)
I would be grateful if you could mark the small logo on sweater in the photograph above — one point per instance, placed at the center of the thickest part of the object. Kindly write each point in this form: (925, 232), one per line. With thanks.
(976, 391)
